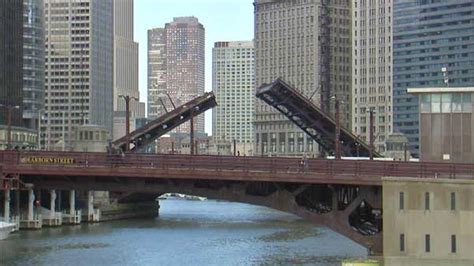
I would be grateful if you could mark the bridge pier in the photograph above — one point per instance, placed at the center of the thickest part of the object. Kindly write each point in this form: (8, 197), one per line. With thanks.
(31, 200)
(72, 216)
(31, 221)
(93, 215)
(6, 205)
(72, 201)
(52, 218)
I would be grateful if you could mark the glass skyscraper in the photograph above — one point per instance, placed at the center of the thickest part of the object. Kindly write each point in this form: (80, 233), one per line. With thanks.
(33, 61)
(429, 35)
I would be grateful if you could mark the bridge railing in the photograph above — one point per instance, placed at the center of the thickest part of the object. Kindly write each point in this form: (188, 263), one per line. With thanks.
(356, 168)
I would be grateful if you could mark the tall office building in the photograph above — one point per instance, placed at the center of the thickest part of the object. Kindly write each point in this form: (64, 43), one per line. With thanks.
(429, 35)
(33, 62)
(79, 67)
(125, 66)
(156, 72)
(125, 55)
(11, 61)
(233, 83)
(182, 42)
(307, 43)
(372, 69)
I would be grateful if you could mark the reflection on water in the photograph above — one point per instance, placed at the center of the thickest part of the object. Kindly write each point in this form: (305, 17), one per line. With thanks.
(186, 233)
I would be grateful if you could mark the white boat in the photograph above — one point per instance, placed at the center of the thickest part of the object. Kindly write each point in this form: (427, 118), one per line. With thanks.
(6, 229)
(180, 196)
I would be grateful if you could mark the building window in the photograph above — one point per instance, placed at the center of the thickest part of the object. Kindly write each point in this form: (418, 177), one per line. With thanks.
(402, 201)
(402, 242)
(453, 201)
(427, 243)
(453, 243)
(427, 201)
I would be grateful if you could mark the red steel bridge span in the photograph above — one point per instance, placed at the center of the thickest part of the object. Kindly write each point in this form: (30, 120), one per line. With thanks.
(344, 195)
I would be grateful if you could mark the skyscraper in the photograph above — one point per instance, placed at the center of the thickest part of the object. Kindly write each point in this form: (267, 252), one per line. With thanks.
(11, 61)
(156, 72)
(79, 66)
(429, 36)
(125, 65)
(183, 79)
(233, 83)
(307, 43)
(33, 62)
(125, 54)
(372, 69)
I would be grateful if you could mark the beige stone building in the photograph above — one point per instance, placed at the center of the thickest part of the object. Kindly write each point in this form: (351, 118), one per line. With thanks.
(125, 64)
(372, 69)
(428, 221)
(307, 43)
(79, 74)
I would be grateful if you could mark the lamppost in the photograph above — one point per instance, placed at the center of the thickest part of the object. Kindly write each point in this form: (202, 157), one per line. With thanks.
(9, 122)
(127, 99)
(64, 131)
(371, 132)
(337, 152)
(40, 118)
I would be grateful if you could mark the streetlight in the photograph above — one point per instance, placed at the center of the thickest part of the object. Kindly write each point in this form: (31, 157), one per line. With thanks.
(127, 99)
(9, 121)
(337, 152)
(64, 131)
(40, 118)
(371, 132)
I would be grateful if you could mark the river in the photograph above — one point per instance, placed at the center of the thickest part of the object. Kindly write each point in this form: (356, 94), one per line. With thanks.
(186, 233)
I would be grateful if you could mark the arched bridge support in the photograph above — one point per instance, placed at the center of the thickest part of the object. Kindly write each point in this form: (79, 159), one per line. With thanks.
(353, 211)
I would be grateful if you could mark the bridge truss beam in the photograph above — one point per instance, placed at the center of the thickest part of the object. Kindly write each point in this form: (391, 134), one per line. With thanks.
(147, 134)
(311, 119)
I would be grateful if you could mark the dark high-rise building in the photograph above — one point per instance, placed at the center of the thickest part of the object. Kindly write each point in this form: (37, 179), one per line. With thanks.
(428, 36)
(33, 62)
(11, 60)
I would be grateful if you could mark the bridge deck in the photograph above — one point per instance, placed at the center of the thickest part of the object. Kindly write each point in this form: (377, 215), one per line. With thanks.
(273, 169)
(312, 120)
(165, 123)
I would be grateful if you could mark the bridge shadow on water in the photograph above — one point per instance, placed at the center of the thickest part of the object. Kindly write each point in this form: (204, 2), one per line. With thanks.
(187, 232)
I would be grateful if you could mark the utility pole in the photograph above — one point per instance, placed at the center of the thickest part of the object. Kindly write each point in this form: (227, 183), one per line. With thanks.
(39, 129)
(191, 133)
(63, 131)
(338, 131)
(371, 133)
(235, 147)
(405, 151)
(127, 99)
(9, 122)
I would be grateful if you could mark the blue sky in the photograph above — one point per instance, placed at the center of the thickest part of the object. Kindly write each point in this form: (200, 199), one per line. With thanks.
(223, 20)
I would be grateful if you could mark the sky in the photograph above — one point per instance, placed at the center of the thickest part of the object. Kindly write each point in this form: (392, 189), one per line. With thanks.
(223, 20)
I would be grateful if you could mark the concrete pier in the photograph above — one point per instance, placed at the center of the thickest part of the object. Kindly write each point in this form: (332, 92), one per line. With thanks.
(93, 215)
(72, 216)
(32, 220)
(51, 217)
(6, 206)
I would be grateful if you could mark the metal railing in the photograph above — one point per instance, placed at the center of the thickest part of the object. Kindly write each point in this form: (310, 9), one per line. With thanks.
(248, 164)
